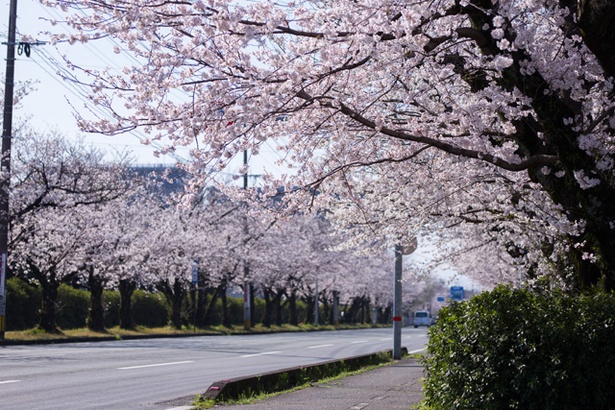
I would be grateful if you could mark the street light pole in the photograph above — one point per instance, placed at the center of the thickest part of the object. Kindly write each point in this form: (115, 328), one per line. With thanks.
(5, 162)
(247, 307)
(397, 303)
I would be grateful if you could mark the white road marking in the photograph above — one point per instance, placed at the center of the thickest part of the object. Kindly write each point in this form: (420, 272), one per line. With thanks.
(386, 339)
(359, 342)
(154, 365)
(320, 346)
(260, 353)
(9, 381)
(415, 351)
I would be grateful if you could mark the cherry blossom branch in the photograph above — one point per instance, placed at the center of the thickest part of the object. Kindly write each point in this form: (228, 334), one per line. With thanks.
(533, 161)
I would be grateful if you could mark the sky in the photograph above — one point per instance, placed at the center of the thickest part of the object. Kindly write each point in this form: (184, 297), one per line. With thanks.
(51, 105)
(47, 108)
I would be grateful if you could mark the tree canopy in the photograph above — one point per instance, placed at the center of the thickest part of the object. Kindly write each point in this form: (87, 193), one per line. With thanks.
(510, 102)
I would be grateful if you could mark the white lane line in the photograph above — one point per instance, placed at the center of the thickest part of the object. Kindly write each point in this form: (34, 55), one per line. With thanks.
(154, 365)
(260, 353)
(359, 342)
(320, 346)
(415, 351)
(8, 381)
(386, 339)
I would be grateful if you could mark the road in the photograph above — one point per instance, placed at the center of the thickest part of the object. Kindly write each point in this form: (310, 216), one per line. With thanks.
(150, 374)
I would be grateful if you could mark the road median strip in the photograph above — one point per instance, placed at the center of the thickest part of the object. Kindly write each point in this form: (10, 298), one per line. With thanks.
(266, 383)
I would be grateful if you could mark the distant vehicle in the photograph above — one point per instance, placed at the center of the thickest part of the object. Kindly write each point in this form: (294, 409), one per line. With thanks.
(422, 318)
(457, 293)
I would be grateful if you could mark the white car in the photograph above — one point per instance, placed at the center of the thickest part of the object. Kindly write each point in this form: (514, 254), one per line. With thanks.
(422, 318)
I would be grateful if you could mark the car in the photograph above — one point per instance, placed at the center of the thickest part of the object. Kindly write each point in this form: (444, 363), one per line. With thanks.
(422, 318)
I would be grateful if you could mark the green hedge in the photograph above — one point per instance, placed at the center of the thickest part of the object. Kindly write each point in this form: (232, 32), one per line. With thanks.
(23, 303)
(149, 309)
(512, 349)
(73, 306)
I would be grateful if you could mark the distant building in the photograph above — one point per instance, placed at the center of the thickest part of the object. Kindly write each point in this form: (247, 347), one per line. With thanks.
(170, 179)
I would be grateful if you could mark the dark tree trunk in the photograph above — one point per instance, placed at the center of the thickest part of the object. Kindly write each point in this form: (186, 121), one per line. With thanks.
(201, 304)
(267, 318)
(252, 307)
(309, 314)
(326, 309)
(49, 293)
(226, 320)
(546, 133)
(127, 288)
(278, 304)
(211, 307)
(177, 298)
(96, 313)
(292, 307)
(385, 316)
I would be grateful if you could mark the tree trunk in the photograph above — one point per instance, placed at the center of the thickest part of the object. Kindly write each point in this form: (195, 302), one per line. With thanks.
(278, 304)
(309, 314)
(96, 314)
(211, 307)
(201, 304)
(49, 293)
(177, 298)
(267, 318)
(127, 288)
(253, 318)
(226, 320)
(292, 306)
(547, 132)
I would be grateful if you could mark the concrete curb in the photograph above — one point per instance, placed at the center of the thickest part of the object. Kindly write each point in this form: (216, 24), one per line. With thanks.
(280, 380)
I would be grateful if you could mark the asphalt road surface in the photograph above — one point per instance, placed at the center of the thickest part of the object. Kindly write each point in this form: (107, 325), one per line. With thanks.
(150, 374)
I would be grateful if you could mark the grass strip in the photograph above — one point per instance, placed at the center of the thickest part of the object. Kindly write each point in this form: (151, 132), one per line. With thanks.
(256, 386)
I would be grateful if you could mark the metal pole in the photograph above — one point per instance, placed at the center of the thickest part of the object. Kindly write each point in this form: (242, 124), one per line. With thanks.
(247, 323)
(196, 298)
(336, 313)
(316, 305)
(5, 162)
(397, 317)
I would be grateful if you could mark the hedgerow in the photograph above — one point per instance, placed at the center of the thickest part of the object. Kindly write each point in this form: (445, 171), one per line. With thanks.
(513, 349)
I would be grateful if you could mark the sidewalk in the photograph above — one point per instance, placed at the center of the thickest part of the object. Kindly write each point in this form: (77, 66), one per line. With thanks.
(393, 387)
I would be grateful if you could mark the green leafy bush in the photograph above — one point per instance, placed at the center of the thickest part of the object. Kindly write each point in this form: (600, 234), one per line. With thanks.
(73, 306)
(23, 303)
(150, 309)
(511, 349)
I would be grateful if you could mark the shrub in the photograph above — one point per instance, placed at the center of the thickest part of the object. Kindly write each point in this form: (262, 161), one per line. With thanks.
(235, 310)
(23, 303)
(513, 349)
(72, 307)
(149, 309)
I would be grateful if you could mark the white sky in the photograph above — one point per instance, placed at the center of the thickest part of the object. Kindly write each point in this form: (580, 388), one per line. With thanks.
(48, 106)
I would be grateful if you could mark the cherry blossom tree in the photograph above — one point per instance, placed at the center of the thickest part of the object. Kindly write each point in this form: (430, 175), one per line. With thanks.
(54, 187)
(523, 87)
(49, 254)
(118, 243)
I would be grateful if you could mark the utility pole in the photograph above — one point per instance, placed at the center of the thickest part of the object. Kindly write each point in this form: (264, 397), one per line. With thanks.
(316, 308)
(247, 309)
(5, 162)
(400, 250)
(397, 317)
